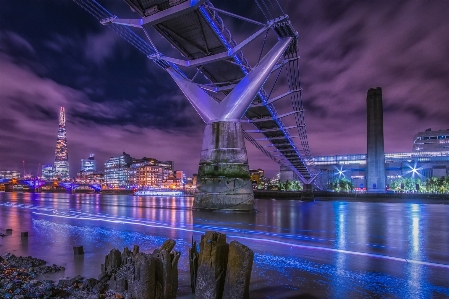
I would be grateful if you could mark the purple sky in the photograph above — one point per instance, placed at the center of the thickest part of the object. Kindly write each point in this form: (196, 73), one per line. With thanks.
(55, 54)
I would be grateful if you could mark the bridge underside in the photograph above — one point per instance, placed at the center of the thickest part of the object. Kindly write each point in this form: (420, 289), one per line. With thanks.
(196, 30)
(200, 33)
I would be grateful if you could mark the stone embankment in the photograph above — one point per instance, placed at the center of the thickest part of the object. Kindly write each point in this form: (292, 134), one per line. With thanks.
(218, 270)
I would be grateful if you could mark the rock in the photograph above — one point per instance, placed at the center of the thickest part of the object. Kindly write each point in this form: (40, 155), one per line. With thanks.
(112, 261)
(103, 277)
(120, 280)
(68, 281)
(99, 288)
(89, 284)
(142, 285)
(135, 249)
(238, 271)
(212, 263)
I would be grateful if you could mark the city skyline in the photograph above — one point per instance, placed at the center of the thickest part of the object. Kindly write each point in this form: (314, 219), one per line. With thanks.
(117, 100)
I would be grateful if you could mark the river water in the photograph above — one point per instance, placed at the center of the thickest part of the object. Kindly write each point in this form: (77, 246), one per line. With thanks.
(320, 249)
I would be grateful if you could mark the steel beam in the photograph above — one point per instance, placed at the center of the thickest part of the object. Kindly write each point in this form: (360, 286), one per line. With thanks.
(159, 17)
(235, 104)
(238, 100)
(215, 57)
(276, 98)
(203, 103)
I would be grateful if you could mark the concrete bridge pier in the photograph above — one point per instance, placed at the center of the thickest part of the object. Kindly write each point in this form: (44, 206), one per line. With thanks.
(223, 175)
(307, 192)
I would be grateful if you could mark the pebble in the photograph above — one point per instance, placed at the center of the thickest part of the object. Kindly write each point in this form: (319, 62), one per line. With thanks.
(18, 281)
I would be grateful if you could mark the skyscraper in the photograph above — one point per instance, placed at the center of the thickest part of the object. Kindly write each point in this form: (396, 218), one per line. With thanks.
(61, 153)
(375, 157)
(89, 165)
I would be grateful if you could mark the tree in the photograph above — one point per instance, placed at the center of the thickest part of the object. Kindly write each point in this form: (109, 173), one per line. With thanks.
(342, 184)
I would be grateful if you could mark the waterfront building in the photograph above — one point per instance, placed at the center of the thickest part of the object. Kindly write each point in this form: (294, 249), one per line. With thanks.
(143, 174)
(256, 175)
(89, 165)
(431, 141)
(48, 172)
(61, 164)
(9, 174)
(149, 172)
(180, 175)
(90, 178)
(421, 165)
(172, 182)
(375, 160)
(116, 171)
(168, 168)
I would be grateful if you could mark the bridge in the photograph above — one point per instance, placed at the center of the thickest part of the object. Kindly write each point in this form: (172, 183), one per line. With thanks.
(37, 185)
(236, 94)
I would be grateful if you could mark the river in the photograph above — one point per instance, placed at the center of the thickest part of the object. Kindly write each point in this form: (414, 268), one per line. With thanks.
(320, 249)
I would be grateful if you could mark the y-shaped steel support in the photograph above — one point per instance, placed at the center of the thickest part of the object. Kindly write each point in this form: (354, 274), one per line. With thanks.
(223, 175)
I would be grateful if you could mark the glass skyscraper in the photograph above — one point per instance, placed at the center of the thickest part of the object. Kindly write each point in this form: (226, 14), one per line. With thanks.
(61, 153)
(89, 165)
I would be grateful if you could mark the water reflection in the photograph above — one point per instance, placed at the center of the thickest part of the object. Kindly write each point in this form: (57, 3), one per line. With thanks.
(329, 249)
(415, 273)
(340, 214)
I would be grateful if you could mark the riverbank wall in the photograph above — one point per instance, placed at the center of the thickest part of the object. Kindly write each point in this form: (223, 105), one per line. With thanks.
(353, 196)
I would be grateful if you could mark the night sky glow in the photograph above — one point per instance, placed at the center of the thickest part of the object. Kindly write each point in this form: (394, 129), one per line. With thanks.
(55, 54)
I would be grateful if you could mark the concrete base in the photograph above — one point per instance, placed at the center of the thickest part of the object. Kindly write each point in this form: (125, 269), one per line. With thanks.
(223, 175)
(307, 192)
(286, 174)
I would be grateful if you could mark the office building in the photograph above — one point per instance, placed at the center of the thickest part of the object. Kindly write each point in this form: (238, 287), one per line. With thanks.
(9, 174)
(431, 141)
(146, 173)
(89, 165)
(256, 175)
(149, 172)
(116, 171)
(48, 172)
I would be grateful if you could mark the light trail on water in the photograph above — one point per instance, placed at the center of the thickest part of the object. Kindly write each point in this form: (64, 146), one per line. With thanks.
(197, 228)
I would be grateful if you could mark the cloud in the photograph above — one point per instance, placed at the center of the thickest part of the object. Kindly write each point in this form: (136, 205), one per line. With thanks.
(14, 42)
(100, 47)
(117, 99)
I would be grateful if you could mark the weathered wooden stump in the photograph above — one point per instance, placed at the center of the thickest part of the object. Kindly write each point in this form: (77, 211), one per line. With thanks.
(112, 261)
(212, 263)
(166, 270)
(143, 281)
(238, 271)
(193, 265)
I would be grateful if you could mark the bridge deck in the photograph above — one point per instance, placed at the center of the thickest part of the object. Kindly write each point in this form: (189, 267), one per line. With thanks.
(199, 32)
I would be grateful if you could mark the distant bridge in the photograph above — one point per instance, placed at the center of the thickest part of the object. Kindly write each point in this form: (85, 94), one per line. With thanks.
(37, 184)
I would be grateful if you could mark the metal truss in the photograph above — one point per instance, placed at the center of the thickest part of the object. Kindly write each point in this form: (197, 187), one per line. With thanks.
(270, 124)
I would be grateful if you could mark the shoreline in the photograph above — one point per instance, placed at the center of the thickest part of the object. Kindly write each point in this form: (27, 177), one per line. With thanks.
(418, 198)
